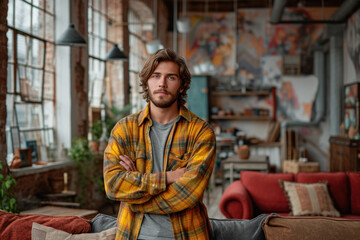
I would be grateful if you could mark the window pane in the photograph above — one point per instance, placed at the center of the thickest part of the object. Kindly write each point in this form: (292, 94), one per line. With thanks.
(37, 50)
(38, 3)
(102, 26)
(31, 85)
(91, 45)
(10, 43)
(50, 6)
(103, 49)
(50, 56)
(49, 86)
(49, 30)
(29, 115)
(96, 24)
(22, 46)
(90, 19)
(20, 73)
(49, 114)
(22, 16)
(10, 15)
(96, 47)
(10, 118)
(10, 78)
(38, 26)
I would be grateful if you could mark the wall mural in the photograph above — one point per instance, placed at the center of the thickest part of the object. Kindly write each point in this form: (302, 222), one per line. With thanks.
(211, 48)
(260, 45)
(352, 46)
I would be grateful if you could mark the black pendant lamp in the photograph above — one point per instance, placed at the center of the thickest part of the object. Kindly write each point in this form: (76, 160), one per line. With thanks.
(116, 54)
(71, 37)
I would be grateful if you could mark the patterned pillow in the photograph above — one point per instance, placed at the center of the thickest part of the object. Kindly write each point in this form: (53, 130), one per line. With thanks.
(309, 199)
(41, 232)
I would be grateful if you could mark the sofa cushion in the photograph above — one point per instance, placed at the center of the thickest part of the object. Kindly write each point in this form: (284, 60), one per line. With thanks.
(41, 232)
(15, 226)
(309, 199)
(354, 180)
(224, 229)
(309, 228)
(337, 183)
(102, 222)
(265, 190)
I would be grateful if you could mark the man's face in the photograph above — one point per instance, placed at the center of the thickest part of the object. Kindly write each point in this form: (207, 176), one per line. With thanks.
(164, 85)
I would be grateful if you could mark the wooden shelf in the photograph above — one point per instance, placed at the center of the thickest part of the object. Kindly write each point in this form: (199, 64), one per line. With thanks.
(238, 93)
(250, 118)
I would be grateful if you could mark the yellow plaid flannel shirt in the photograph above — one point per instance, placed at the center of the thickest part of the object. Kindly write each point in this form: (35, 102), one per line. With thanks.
(191, 144)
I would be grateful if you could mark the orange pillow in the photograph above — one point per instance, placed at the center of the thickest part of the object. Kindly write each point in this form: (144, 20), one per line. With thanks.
(15, 226)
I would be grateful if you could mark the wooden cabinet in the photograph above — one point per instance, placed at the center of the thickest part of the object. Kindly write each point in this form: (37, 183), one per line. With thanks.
(344, 154)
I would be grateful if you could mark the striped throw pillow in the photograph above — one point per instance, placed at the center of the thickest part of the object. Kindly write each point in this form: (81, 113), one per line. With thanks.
(309, 199)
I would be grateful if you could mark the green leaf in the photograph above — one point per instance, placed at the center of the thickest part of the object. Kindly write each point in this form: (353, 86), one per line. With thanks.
(8, 184)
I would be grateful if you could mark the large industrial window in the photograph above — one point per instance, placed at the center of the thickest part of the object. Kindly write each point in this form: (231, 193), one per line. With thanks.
(105, 77)
(137, 58)
(30, 79)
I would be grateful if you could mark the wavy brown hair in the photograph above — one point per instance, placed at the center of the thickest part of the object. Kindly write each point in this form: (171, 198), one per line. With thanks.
(164, 55)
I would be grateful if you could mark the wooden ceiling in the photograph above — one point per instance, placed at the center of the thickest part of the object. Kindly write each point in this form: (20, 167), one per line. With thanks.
(228, 5)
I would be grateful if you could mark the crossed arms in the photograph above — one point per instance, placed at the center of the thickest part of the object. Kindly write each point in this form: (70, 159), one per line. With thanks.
(159, 193)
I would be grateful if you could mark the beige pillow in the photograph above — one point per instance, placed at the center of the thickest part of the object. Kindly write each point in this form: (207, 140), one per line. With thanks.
(41, 232)
(309, 199)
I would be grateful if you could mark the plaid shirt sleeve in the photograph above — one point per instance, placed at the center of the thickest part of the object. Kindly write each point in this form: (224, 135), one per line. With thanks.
(189, 189)
(126, 186)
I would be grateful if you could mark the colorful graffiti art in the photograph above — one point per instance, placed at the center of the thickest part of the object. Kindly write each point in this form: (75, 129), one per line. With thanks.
(211, 48)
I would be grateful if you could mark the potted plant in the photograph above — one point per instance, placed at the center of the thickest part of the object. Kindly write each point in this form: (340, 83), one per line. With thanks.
(96, 133)
(7, 195)
(85, 160)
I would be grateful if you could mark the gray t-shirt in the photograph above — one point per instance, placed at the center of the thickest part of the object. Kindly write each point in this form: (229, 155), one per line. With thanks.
(156, 225)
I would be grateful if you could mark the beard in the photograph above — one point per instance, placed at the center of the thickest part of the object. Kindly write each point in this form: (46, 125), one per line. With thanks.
(162, 101)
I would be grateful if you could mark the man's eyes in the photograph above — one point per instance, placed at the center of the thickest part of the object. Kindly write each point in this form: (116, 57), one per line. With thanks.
(168, 77)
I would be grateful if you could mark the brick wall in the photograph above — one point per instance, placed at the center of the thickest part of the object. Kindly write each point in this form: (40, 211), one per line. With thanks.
(3, 74)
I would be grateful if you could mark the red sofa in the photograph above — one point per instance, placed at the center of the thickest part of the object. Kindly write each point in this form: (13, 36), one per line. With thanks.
(257, 193)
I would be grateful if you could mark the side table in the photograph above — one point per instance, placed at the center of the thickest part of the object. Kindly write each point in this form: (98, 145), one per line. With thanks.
(232, 166)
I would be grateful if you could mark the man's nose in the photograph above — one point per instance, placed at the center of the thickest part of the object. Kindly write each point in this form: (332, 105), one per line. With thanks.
(162, 81)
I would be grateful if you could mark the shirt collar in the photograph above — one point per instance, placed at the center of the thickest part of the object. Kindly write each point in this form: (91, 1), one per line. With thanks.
(145, 114)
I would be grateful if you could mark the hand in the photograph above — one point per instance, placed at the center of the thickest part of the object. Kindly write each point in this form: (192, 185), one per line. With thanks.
(173, 176)
(127, 163)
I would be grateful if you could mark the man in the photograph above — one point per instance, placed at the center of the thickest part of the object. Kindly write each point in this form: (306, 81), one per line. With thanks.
(158, 162)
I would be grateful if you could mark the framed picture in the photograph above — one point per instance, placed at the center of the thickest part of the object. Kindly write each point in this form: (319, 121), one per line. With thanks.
(350, 118)
(15, 138)
(351, 95)
(34, 153)
(25, 156)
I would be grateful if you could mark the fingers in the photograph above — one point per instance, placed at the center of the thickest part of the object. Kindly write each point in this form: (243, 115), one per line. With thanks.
(127, 163)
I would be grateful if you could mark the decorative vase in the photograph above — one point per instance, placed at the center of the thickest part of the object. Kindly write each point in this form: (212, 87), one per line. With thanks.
(243, 152)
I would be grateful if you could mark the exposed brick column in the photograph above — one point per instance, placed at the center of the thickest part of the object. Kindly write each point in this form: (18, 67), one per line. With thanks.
(3, 75)
(125, 40)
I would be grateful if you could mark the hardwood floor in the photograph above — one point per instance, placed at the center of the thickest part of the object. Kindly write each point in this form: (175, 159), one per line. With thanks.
(212, 200)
